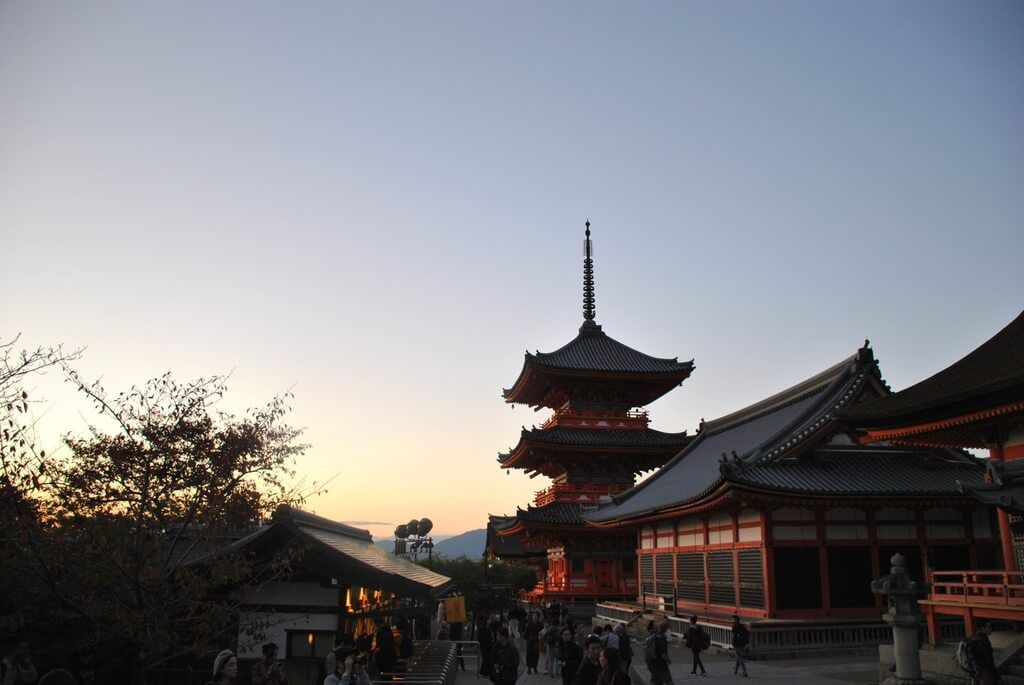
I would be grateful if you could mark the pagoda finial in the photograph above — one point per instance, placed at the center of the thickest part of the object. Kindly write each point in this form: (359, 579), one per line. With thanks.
(589, 307)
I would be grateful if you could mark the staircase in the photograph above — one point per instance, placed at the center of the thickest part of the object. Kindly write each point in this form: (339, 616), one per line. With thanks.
(1012, 672)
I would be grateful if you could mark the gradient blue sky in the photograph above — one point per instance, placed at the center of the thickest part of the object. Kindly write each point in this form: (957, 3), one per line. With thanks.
(381, 204)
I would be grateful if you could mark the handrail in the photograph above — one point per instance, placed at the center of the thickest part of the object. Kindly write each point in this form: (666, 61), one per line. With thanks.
(1004, 588)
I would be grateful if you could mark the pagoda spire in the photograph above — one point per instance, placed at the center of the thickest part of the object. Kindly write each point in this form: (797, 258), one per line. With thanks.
(589, 305)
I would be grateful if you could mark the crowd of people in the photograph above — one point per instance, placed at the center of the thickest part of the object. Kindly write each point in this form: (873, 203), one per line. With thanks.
(598, 655)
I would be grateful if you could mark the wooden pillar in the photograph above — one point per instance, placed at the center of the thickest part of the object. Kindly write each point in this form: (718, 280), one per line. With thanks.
(826, 594)
(735, 561)
(1005, 530)
(768, 567)
(931, 619)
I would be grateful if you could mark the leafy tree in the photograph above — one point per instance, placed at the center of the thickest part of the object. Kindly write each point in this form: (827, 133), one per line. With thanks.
(109, 527)
(486, 584)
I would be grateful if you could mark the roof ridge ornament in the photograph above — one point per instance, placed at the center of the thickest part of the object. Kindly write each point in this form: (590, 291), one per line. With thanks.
(589, 302)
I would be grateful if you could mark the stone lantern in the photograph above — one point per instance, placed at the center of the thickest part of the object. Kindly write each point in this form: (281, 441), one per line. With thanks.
(903, 615)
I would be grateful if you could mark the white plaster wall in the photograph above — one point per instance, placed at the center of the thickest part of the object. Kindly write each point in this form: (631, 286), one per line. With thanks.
(290, 594)
(273, 627)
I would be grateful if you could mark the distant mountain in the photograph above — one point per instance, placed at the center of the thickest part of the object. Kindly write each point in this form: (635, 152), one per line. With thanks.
(469, 544)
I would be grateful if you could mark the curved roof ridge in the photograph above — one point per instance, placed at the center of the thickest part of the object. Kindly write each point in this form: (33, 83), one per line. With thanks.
(306, 518)
(795, 393)
(826, 384)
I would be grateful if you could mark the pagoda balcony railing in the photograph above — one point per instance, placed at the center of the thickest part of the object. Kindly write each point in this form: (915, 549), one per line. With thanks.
(996, 588)
(632, 416)
(590, 491)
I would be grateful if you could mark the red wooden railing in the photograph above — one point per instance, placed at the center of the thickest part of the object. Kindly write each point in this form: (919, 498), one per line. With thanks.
(998, 588)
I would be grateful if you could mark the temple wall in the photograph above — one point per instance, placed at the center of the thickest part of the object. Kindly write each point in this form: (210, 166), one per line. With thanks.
(801, 561)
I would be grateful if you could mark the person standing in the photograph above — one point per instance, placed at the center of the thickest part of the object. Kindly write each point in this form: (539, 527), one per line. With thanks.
(981, 649)
(16, 665)
(386, 653)
(569, 657)
(506, 660)
(455, 634)
(590, 668)
(658, 661)
(551, 647)
(740, 640)
(269, 671)
(696, 640)
(225, 668)
(612, 672)
(486, 645)
(531, 634)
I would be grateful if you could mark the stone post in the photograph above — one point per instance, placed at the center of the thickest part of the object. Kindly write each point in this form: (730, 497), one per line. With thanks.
(901, 594)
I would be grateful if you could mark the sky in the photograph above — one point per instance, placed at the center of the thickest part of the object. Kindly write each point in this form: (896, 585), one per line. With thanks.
(380, 206)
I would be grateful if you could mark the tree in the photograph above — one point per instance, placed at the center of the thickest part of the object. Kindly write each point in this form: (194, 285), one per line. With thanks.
(16, 439)
(110, 527)
(486, 584)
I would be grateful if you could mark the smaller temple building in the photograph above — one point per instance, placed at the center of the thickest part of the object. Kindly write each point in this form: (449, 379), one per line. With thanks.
(777, 511)
(337, 581)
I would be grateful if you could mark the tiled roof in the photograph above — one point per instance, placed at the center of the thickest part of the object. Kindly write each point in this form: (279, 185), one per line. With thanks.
(349, 552)
(556, 513)
(878, 471)
(761, 432)
(594, 350)
(597, 438)
(991, 375)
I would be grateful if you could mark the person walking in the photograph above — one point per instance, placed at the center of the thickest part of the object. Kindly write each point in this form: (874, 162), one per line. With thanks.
(696, 639)
(551, 645)
(625, 650)
(740, 640)
(658, 659)
(569, 657)
(612, 672)
(531, 635)
(981, 649)
(455, 631)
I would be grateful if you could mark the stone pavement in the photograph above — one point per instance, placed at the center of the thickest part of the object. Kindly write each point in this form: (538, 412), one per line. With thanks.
(859, 670)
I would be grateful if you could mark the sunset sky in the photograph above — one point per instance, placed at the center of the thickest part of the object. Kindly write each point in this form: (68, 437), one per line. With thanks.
(380, 205)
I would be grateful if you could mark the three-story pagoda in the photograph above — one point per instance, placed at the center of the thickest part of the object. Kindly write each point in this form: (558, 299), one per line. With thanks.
(595, 443)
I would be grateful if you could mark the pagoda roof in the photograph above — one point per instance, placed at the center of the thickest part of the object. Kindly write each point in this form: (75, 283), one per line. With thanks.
(558, 514)
(987, 380)
(784, 424)
(342, 551)
(594, 352)
(594, 439)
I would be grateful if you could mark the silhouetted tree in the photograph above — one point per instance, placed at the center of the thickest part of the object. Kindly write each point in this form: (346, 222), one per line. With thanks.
(107, 531)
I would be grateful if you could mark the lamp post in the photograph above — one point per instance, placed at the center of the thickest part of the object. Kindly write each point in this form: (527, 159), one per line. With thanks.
(413, 537)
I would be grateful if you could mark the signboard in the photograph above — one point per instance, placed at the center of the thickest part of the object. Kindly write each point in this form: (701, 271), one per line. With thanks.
(455, 609)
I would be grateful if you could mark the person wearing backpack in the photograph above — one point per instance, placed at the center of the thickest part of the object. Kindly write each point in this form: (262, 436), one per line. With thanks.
(980, 649)
(656, 655)
(551, 646)
(697, 639)
(740, 640)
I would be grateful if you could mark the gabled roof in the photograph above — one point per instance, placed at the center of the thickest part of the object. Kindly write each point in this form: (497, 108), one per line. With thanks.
(759, 433)
(990, 376)
(348, 552)
(509, 546)
(597, 439)
(595, 352)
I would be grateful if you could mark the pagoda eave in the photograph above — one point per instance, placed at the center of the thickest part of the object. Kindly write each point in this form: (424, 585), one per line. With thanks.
(536, 381)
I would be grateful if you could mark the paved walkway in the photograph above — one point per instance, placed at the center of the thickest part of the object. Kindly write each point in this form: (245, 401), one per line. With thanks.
(859, 670)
